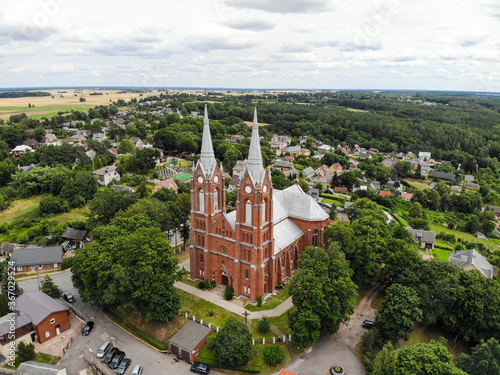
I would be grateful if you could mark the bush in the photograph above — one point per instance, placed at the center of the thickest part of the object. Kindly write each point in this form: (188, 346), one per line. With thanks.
(279, 286)
(25, 352)
(259, 301)
(263, 326)
(228, 293)
(50, 205)
(273, 355)
(67, 263)
(201, 285)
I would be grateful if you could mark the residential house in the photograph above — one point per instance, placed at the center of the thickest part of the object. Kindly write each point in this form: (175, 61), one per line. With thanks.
(75, 238)
(50, 139)
(113, 151)
(308, 172)
(6, 249)
(37, 259)
(423, 155)
(38, 368)
(389, 163)
(472, 259)
(385, 193)
(240, 167)
(456, 188)
(91, 154)
(472, 185)
(336, 168)
(28, 168)
(425, 238)
(32, 142)
(354, 163)
(165, 184)
(106, 174)
(480, 236)
(189, 340)
(49, 316)
(375, 185)
(313, 192)
(233, 184)
(19, 151)
(340, 189)
(99, 137)
(469, 178)
(323, 171)
(297, 150)
(15, 327)
(235, 138)
(324, 149)
(442, 176)
(407, 196)
(138, 143)
(280, 163)
(495, 209)
(123, 188)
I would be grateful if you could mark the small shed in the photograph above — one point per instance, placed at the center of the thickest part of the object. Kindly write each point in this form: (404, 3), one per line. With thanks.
(74, 237)
(189, 340)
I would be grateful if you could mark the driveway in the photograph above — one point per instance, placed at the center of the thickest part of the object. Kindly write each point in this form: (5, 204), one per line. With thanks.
(339, 349)
(85, 348)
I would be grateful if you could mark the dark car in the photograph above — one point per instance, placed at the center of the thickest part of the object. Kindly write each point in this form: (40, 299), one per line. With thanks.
(368, 324)
(110, 355)
(69, 297)
(116, 359)
(123, 366)
(200, 368)
(88, 327)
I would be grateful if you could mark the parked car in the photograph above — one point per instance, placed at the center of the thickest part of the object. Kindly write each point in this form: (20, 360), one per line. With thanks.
(123, 366)
(104, 349)
(137, 370)
(88, 327)
(368, 324)
(110, 355)
(200, 368)
(116, 359)
(69, 297)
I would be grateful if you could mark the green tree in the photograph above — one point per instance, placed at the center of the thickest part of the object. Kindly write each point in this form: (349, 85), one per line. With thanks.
(25, 352)
(50, 205)
(263, 326)
(233, 344)
(484, 359)
(126, 146)
(273, 355)
(146, 159)
(404, 169)
(129, 266)
(400, 310)
(4, 305)
(416, 211)
(49, 288)
(306, 327)
(228, 293)
(106, 203)
(6, 172)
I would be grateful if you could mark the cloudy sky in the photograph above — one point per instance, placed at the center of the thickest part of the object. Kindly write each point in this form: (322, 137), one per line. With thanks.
(310, 44)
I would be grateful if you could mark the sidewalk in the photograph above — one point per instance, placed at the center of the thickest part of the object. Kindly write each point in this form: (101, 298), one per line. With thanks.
(220, 301)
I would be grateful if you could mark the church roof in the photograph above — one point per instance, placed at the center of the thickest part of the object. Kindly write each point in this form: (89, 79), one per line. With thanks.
(295, 203)
(207, 158)
(231, 219)
(285, 233)
(255, 166)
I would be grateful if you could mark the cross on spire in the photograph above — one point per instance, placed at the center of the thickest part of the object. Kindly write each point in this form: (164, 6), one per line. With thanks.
(255, 166)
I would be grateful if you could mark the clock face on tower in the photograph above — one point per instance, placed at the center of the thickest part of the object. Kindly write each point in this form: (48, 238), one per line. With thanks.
(200, 179)
(216, 179)
(248, 189)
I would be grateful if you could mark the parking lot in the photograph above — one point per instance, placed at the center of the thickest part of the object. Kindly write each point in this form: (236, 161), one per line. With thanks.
(85, 348)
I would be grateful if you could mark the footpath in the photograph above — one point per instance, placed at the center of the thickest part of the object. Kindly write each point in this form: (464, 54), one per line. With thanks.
(220, 301)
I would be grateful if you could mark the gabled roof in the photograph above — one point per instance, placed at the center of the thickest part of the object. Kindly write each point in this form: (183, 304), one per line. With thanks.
(295, 203)
(38, 368)
(442, 175)
(422, 235)
(10, 247)
(38, 306)
(189, 336)
(308, 172)
(74, 234)
(19, 320)
(167, 184)
(31, 256)
(105, 170)
(231, 219)
(472, 257)
(285, 233)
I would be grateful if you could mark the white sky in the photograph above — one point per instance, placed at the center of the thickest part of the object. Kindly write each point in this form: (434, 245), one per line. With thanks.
(324, 44)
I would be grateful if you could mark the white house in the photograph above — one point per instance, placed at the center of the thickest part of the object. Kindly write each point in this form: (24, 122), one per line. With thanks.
(106, 174)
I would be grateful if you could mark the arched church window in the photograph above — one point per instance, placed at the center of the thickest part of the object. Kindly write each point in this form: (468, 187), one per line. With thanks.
(315, 237)
(246, 274)
(248, 213)
(201, 258)
(202, 200)
(264, 205)
(216, 199)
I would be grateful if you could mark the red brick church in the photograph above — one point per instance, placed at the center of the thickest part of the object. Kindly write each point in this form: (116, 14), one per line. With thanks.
(256, 246)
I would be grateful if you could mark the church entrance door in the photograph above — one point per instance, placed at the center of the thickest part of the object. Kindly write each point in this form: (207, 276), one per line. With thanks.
(224, 280)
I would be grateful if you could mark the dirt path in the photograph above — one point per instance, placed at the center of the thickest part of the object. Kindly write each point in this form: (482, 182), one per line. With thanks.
(351, 334)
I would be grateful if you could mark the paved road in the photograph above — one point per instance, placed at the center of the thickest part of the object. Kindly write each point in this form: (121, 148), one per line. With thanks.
(105, 330)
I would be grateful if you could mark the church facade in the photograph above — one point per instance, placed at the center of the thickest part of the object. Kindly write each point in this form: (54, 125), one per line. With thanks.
(256, 246)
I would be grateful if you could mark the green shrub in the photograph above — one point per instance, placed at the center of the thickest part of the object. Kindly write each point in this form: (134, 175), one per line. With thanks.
(263, 326)
(228, 293)
(67, 263)
(259, 301)
(211, 313)
(273, 355)
(201, 285)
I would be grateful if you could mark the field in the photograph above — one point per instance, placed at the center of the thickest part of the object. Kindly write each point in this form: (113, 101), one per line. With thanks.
(46, 106)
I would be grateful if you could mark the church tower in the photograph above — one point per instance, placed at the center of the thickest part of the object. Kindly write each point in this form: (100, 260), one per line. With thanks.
(254, 230)
(208, 203)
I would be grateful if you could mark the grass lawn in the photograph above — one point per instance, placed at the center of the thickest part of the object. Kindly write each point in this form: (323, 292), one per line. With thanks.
(272, 301)
(281, 322)
(423, 334)
(335, 202)
(466, 236)
(441, 253)
(21, 209)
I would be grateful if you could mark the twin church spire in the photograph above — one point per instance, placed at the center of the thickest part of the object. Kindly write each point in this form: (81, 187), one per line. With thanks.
(255, 165)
